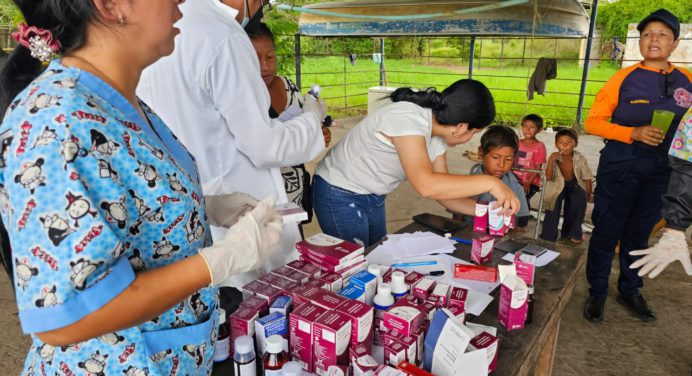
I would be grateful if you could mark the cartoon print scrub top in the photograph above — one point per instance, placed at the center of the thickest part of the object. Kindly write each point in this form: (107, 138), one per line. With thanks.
(91, 194)
(681, 147)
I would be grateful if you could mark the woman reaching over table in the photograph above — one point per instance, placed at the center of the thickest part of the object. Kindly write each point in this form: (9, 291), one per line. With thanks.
(407, 139)
(114, 267)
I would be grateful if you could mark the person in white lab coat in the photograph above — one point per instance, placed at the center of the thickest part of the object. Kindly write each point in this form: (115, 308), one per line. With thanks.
(210, 92)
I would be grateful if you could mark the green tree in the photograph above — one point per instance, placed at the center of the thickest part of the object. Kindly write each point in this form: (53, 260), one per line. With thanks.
(614, 17)
(9, 13)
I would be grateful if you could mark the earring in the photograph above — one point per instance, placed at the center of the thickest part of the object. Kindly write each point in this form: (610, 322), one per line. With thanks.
(121, 20)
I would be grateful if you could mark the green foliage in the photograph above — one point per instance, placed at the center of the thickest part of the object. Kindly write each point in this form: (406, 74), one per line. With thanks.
(614, 17)
(9, 13)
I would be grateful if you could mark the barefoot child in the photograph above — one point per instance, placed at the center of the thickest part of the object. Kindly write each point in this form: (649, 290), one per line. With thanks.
(568, 180)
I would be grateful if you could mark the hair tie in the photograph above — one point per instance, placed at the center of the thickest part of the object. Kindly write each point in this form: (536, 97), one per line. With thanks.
(443, 103)
(39, 41)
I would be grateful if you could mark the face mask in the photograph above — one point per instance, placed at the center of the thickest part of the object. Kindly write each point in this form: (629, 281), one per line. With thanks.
(254, 22)
(246, 19)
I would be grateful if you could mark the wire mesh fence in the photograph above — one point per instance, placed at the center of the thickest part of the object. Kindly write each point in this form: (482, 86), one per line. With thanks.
(348, 67)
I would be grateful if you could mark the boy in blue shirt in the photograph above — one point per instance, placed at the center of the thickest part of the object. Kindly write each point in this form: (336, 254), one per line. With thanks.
(499, 145)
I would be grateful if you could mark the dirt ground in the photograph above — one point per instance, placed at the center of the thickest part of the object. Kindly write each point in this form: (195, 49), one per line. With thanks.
(621, 345)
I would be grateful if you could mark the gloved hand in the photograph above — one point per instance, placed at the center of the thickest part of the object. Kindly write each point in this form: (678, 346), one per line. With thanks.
(314, 105)
(246, 245)
(671, 247)
(224, 210)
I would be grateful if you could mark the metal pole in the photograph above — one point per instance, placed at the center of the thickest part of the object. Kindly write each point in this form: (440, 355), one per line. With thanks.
(296, 53)
(345, 81)
(587, 57)
(472, 52)
(502, 51)
(480, 53)
(382, 72)
(523, 52)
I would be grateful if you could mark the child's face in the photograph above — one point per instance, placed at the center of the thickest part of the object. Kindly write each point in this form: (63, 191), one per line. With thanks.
(529, 129)
(565, 145)
(498, 161)
(267, 58)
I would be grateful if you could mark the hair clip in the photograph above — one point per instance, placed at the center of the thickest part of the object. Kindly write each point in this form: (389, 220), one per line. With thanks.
(39, 41)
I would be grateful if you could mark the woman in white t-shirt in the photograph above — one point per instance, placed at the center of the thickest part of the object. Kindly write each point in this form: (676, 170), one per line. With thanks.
(407, 139)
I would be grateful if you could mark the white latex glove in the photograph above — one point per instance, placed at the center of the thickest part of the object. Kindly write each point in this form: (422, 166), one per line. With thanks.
(314, 105)
(247, 244)
(671, 247)
(225, 210)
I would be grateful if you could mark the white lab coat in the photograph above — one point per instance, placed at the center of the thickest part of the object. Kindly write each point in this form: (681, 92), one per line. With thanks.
(211, 94)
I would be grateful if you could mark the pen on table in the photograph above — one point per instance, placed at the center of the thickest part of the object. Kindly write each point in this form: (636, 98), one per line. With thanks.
(460, 240)
(410, 264)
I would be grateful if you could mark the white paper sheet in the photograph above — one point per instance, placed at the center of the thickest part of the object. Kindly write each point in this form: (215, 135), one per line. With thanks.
(450, 347)
(542, 260)
(404, 246)
(474, 363)
(478, 328)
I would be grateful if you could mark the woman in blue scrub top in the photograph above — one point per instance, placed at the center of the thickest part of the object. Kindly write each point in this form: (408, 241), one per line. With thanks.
(114, 270)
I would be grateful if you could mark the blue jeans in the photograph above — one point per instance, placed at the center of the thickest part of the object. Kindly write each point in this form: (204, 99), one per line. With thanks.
(358, 218)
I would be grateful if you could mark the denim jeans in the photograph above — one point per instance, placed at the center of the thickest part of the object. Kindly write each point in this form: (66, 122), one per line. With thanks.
(358, 218)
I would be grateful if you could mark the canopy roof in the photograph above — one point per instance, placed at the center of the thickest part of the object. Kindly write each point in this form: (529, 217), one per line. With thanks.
(564, 18)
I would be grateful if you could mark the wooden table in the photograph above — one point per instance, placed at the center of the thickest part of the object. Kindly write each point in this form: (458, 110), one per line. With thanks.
(527, 351)
(530, 351)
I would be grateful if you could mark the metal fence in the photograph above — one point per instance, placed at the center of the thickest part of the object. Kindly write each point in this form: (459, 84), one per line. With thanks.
(346, 70)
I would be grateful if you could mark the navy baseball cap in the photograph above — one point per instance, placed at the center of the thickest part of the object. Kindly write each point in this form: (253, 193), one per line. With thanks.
(664, 16)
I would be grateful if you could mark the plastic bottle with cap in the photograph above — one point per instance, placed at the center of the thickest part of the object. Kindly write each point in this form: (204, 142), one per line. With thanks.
(222, 348)
(399, 287)
(383, 299)
(292, 369)
(315, 90)
(275, 358)
(244, 362)
(375, 270)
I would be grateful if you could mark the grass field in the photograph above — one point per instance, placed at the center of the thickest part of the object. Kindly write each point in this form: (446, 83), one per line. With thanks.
(345, 86)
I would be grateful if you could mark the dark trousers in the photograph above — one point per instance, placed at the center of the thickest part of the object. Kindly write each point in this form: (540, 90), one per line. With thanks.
(574, 198)
(533, 189)
(627, 206)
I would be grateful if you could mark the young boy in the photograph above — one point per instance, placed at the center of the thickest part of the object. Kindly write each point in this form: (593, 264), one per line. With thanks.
(531, 155)
(568, 179)
(498, 149)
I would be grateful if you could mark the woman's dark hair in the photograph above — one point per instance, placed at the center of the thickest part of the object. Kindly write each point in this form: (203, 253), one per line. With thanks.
(261, 31)
(465, 101)
(536, 119)
(569, 132)
(67, 20)
(499, 136)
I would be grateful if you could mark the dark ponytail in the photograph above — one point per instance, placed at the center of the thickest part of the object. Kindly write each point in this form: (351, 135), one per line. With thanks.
(67, 20)
(465, 101)
(428, 98)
